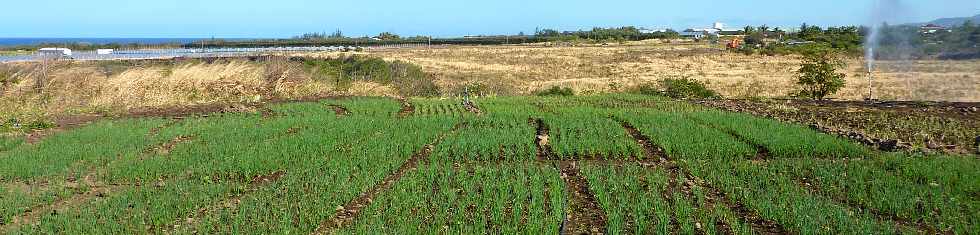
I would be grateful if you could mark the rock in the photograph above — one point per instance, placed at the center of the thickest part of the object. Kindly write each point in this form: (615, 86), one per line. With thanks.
(932, 145)
(888, 145)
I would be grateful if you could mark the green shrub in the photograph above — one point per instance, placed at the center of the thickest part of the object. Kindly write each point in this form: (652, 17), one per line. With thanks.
(407, 78)
(686, 88)
(818, 76)
(557, 91)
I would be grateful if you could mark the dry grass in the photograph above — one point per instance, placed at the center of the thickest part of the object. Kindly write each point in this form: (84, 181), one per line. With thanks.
(79, 87)
(592, 69)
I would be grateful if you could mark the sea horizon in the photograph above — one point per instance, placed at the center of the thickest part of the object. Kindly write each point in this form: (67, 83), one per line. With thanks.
(34, 41)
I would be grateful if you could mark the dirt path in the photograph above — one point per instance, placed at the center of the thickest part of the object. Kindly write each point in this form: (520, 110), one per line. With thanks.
(229, 203)
(347, 213)
(541, 140)
(584, 214)
(758, 224)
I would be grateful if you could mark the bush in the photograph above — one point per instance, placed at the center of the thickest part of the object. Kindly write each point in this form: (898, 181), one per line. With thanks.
(686, 88)
(556, 91)
(407, 78)
(818, 76)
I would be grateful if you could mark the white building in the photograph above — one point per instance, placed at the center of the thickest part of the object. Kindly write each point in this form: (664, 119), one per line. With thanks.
(54, 51)
(103, 51)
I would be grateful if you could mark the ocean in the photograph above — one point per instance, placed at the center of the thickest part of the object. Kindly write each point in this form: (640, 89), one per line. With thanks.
(38, 41)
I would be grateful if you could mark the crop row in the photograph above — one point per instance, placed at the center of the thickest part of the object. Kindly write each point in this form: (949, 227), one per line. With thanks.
(443, 197)
(225, 153)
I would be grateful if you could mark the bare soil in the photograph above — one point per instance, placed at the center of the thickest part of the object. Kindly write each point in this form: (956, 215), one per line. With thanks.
(584, 213)
(165, 148)
(62, 124)
(340, 110)
(471, 107)
(407, 108)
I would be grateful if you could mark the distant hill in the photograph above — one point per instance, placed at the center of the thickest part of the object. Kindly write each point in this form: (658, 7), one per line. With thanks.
(950, 22)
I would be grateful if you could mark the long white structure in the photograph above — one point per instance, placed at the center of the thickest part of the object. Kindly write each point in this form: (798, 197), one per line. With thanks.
(54, 51)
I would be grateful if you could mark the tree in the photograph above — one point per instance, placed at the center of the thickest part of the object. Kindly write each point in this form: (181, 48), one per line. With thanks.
(764, 29)
(337, 34)
(388, 36)
(818, 76)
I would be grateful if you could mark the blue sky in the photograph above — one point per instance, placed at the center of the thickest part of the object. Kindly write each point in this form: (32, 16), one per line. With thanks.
(283, 18)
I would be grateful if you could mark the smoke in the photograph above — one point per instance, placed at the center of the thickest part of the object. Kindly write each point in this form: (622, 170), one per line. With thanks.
(882, 12)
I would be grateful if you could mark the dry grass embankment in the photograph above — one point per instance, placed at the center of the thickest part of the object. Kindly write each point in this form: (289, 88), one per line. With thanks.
(592, 69)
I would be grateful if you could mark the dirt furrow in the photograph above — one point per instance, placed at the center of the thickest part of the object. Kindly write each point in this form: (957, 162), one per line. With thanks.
(347, 213)
(541, 140)
(229, 203)
(584, 213)
(758, 224)
(165, 148)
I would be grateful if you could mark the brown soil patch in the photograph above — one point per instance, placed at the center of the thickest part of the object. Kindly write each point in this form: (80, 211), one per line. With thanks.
(471, 107)
(62, 124)
(232, 202)
(347, 213)
(541, 140)
(407, 108)
(584, 213)
(165, 148)
(339, 110)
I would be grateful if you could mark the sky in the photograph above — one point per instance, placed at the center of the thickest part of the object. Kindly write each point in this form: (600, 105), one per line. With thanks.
(441, 18)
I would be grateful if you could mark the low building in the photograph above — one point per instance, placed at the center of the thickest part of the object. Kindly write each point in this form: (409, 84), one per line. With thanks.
(104, 51)
(932, 28)
(54, 52)
(693, 34)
